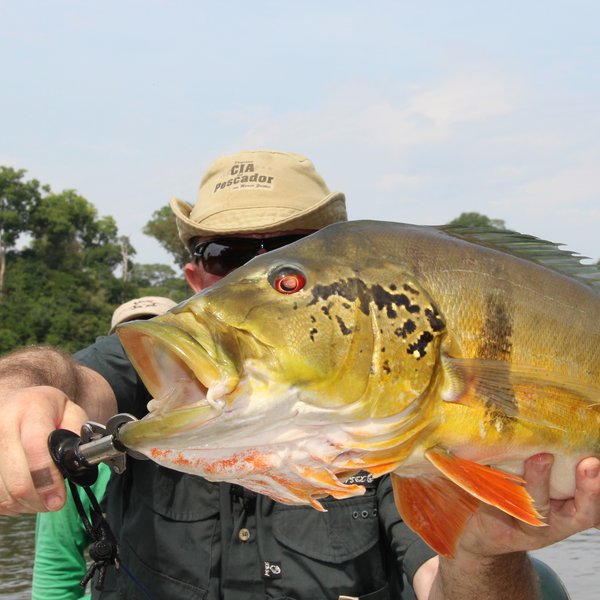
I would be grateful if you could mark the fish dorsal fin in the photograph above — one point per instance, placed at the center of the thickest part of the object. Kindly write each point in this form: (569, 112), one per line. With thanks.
(544, 253)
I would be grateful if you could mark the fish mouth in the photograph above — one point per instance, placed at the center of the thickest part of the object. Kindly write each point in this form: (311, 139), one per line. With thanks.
(188, 377)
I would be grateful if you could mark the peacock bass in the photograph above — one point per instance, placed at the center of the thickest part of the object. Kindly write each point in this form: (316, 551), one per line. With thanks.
(443, 356)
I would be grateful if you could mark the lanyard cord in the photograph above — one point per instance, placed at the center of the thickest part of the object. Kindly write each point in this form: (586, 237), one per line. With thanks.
(103, 550)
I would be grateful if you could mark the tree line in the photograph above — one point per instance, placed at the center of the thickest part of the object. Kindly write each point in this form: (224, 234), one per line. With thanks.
(64, 268)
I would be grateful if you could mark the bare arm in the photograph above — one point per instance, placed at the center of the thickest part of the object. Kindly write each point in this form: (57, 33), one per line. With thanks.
(42, 389)
(506, 576)
(491, 560)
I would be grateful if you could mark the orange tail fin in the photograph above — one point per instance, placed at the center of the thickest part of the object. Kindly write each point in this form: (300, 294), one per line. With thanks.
(502, 490)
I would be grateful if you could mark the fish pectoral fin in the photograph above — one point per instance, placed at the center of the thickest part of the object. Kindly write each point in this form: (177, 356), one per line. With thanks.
(515, 390)
(435, 508)
(494, 487)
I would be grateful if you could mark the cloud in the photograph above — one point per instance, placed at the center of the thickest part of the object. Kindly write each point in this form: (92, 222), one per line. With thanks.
(573, 192)
(390, 118)
(393, 181)
(466, 97)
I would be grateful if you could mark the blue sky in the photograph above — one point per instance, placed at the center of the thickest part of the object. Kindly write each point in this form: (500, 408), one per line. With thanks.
(417, 111)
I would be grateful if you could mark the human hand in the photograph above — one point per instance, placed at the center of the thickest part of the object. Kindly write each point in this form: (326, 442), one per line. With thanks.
(491, 532)
(29, 480)
(490, 558)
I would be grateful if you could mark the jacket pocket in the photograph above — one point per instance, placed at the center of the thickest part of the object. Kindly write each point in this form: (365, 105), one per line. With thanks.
(348, 529)
(172, 494)
(170, 533)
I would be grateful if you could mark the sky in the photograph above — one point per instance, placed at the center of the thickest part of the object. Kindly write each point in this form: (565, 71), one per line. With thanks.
(418, 111)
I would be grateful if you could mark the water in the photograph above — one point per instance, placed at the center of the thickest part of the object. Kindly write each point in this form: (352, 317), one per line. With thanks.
(576, 560)
(17, 537)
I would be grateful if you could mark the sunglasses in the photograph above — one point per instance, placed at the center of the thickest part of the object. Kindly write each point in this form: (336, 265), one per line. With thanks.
(223, 255)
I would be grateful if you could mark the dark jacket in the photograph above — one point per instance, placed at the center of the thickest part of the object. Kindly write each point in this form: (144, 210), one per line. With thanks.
(182, 537)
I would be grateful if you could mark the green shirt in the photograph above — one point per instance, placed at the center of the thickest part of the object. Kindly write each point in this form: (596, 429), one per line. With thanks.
(60, 543)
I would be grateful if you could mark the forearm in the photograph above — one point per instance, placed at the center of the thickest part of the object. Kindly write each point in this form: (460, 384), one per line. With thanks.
(37, 366)
(44, 366)
(475, 577)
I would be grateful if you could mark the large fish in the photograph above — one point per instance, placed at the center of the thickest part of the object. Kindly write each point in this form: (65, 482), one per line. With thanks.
(441, 356)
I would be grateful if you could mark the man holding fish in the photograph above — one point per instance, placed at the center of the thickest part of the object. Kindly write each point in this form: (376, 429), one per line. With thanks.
(183, 536)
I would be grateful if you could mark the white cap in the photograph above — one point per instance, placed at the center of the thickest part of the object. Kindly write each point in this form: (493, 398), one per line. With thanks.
(140, 308)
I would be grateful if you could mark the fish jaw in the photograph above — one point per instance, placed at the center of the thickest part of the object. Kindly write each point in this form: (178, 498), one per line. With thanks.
(188, 384)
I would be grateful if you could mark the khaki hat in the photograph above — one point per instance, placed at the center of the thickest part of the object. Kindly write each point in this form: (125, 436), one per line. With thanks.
(140, 308)
(259, 191)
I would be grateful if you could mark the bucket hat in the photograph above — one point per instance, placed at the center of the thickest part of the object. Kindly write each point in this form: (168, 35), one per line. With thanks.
(259, 191)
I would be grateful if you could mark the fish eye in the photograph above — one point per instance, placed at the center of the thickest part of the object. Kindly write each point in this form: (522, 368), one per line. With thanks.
(287, 280)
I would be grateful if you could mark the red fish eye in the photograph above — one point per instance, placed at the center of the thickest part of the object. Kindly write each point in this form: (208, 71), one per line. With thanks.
(289, 284)
(288, 281)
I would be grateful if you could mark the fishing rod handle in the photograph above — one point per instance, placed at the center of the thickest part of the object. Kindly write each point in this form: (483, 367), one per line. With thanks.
(77, 457)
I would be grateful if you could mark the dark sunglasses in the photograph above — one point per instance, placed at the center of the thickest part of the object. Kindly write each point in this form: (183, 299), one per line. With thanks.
(223, 255)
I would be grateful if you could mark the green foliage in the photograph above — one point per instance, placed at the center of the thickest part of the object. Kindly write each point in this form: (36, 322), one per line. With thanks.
(18, 200)
(159, 280)
(43, 305)
(58, 267)
(68, 235)
(163, 228)
(475, 219)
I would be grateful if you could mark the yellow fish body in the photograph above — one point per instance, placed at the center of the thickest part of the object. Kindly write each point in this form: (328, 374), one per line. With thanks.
(441, 356)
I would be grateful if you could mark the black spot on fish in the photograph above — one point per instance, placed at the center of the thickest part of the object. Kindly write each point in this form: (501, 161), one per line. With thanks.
(496, 344)
(383, 299)
(355, 290)
(346, 305)
(313, 319)
(393, 287)
(312, 332)
(496, 333)
(386, 367)
(408, 288)
(345, 330)
(407, 328)
(434, 319)
(419, 348)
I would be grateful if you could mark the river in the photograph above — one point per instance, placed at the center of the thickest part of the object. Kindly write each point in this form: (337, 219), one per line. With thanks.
(576, 560)
(17, 536)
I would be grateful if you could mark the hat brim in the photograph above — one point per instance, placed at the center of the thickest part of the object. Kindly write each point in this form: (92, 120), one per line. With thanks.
(331, 209)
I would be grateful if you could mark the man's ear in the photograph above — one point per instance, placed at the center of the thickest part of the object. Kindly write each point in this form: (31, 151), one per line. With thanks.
(193, 276)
